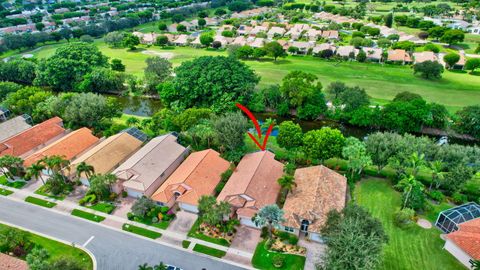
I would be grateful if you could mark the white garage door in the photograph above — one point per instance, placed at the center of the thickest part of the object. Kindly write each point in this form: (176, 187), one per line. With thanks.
(316, 237)
(248, 222)
(189, 207)
(134, 193)
(85, 181)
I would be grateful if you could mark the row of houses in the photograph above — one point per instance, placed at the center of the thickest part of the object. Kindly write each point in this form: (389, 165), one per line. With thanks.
(168, 173)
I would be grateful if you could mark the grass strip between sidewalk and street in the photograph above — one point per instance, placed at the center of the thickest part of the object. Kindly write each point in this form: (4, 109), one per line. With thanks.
(86, 215)
(209, 251)
(141, 231)
(40, 202)
(185, 243)
(5, 192)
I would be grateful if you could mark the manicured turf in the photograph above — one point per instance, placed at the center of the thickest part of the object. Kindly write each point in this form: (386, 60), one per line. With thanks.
(262, 259)
(86, 215)
(185, 243)
(40, 202)
(5, 192)
(413, 248)
(17, 184)
(42, 191)
(141, 231)
(382, 82)
(209, 251)
(103, 207)
(58, 250)
(193, 233)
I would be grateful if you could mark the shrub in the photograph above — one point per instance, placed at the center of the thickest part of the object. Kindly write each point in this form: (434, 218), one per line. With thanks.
(124, 194)
(164, 209)
(436, 195)
(403, 218)
(130, 216)
(264, 233)
(278, 261)
(112, 196)
(154, 219)
(459, 198)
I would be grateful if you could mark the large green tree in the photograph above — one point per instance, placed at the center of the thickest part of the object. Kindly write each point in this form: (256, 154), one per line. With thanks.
(468, 121)
(323, 143)
(18, 71)
(26, 99)
(270, 216)
(231, 129)
(356, 154)
(211, 212)
(275, 50)
(290, 135)
(67, 66)
(212, 82)
(158, 70)
(103, 80)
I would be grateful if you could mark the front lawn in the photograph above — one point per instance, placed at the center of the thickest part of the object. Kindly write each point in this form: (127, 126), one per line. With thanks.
(104, 207)
(86, 215)
(263, 259)
(5, 192)
(43, 190)
(40, 202)
(141, 231)
(196, 234)
(412, 248)
(58, 250)
(16, 184)
(209, 251)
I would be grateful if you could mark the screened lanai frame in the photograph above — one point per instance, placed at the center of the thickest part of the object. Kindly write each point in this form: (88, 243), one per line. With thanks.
(449, 219)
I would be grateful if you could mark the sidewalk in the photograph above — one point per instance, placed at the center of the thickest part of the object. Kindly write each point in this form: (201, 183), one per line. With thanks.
(116, 222)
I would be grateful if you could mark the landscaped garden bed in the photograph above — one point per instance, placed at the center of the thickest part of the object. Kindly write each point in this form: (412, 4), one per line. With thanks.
(141, 231)
(40, 202)
(285, 243)
(86, 215)
(147, 212)
(265, 259)
(46, 191)
(5, 192)
(209, 251)
(206, 233)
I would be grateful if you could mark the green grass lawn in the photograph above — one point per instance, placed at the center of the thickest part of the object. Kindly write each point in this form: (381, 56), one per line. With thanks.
(5, 192)
(59, 250)
(412, 248)
(185, 243)
(141, 231)
(382, 82)
(42, 191)
(193, 233)
(262, 259)
(40, 202)
(86, 215)
(209, 251)
(17, 184)
(103, 207)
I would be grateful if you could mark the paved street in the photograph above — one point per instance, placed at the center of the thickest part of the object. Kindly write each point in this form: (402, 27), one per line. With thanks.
(113, 250)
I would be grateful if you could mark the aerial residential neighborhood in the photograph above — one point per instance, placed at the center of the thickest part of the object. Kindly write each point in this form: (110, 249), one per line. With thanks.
(239, 134)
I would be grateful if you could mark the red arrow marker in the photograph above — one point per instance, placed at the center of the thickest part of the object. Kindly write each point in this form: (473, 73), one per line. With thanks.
(257, 127)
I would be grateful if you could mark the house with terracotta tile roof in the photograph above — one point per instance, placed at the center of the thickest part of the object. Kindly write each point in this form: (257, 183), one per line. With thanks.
(69, 146)
(318, 191)
(197, 176)
(420, 57)
(146, 170)
(399, 56)
(14, 126)
(464, 243)
(252, 185)
(34, 138)
(11, 263)
(107, 155)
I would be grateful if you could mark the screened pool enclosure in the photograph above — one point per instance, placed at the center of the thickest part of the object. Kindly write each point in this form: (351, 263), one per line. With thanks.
(449, 220)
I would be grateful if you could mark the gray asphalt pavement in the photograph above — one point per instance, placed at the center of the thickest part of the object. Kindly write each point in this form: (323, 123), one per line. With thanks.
(113, 250)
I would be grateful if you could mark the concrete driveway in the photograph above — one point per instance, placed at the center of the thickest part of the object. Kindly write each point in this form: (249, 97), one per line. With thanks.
(124, 207)
(246, 239)
(183, 222)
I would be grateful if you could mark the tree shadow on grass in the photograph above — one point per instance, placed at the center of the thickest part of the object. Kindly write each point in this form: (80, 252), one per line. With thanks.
(136, 50)
(459, 71)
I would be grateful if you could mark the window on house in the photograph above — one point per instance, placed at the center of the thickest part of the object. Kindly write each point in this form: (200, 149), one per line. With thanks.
(289, 229)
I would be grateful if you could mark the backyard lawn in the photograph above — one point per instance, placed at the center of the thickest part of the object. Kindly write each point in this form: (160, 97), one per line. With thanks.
(59, 250)
(382, 82)
(413, 248)
(262, 259)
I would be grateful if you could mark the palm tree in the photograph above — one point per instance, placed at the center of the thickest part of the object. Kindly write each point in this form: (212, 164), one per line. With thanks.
(35, 170)
(287, 182)
(56, 163)
(416, 162)
(11, 166)
(437, 174)
(475, 264)
(160, 266)
(408, 184)
(83, 167)
(145, 266)
(270, 216)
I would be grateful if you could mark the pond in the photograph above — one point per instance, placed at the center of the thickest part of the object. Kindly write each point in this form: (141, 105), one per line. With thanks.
(141, 106)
